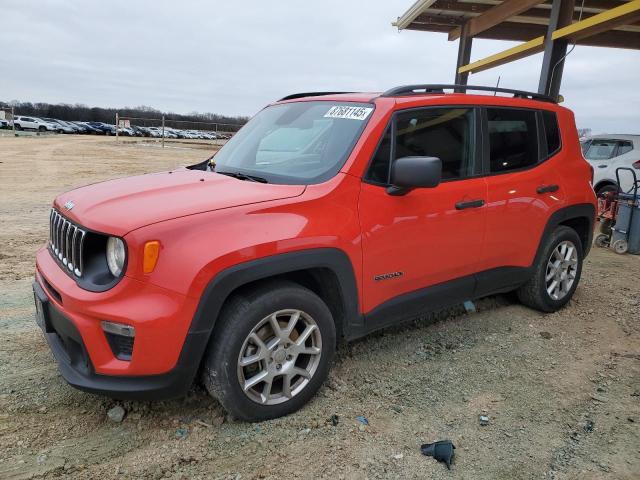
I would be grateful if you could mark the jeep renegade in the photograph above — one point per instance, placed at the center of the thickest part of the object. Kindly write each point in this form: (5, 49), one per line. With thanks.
(327, 216)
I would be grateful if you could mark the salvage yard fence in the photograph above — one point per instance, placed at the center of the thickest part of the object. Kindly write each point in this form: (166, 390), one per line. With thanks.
(164, 131)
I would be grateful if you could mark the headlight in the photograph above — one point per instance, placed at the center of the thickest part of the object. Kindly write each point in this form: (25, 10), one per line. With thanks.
(116, 255)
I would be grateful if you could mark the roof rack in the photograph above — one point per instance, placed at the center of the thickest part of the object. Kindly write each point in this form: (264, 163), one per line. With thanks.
(440, 88)
(309, 94)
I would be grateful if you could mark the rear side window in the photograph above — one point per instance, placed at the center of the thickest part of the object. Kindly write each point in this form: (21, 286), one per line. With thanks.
(513, 139)
(624, 147)
(551, 132)
(446, 133)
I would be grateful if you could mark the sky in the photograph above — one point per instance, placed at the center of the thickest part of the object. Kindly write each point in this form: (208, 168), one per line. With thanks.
(235, 57)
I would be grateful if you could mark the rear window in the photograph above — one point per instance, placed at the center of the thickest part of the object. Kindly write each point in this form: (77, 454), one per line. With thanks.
(513, 139)
(601, 150)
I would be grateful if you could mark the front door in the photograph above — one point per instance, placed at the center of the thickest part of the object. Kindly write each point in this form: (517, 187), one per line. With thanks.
(429, 236)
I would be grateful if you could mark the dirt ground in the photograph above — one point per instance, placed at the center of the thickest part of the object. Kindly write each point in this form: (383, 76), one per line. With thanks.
(562, 391)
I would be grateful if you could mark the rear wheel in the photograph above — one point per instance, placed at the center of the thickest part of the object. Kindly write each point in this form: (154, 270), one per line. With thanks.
(270, 352)
(42, 129)
(605, 189)
(556, 272)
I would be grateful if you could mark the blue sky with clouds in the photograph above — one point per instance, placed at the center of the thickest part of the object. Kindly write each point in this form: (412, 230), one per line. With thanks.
(235, 57)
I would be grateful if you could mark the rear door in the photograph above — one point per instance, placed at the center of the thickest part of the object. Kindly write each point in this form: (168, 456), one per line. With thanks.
(523, 187)
(429, 236)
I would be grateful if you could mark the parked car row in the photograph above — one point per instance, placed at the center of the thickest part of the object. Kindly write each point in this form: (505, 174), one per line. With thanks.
(44, 124)
(156, 132)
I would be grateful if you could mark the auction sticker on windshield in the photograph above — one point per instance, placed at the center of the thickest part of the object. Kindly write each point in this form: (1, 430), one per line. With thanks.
(351, 113)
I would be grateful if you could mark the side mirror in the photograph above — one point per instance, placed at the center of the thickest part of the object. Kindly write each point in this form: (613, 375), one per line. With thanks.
(408, 173)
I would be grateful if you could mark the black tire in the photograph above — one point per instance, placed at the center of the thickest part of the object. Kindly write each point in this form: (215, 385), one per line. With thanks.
(42, 129)
(239, 316)
(606, 188)
(534, 293)
(18, 126)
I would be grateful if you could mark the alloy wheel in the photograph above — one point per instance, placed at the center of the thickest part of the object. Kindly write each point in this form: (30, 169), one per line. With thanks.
(279, 357)
(562, 269)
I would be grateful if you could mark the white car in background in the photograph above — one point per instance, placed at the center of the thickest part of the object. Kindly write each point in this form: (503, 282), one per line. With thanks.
(606, 153)
(32, 123)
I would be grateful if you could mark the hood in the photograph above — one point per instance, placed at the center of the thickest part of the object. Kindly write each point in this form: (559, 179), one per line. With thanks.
(120, 206)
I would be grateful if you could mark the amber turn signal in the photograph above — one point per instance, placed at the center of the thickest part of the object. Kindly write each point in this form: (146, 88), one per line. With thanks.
(150, 256)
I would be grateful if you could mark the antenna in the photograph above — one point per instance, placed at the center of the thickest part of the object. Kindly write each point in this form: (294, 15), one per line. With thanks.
(497, 85)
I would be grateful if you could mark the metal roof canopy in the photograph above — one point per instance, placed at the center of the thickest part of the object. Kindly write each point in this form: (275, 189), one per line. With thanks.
(543, 26)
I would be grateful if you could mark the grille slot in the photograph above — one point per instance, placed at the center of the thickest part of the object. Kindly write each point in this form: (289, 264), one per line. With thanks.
(66, 242)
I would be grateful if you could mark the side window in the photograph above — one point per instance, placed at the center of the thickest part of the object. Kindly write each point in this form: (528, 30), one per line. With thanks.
(513, 139)
(551, 131)
(379, 168)
(446, 133)
(624, 147)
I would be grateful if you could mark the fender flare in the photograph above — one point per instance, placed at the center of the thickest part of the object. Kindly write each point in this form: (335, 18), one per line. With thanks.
(225, 282)
(582, 210)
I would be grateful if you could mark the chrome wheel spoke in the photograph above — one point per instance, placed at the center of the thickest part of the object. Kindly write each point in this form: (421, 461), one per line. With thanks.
(256, 380)
(305, 334)
(293, 320)
(266, 390)
(308, 351)
(300, 371)
(286, 385)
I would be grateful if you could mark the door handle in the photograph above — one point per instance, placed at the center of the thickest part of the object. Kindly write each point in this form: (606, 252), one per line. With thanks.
(603, 166)
(469, 204)
(547, 188)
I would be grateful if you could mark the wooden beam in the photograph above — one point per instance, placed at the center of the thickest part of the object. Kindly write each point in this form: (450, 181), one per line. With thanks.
(494, 16)
(448, 20)
(520, 51)
(598, 24)
(602, 22)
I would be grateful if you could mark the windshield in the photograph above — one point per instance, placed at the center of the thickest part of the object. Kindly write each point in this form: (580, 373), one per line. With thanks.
(295, 143)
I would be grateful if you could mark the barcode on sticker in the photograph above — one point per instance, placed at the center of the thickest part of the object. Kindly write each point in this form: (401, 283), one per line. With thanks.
(351, 113)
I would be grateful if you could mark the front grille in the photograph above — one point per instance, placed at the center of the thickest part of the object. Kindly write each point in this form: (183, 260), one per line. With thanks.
(66, 242)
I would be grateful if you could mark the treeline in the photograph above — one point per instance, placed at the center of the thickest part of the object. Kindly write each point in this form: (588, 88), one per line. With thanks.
(83, 113)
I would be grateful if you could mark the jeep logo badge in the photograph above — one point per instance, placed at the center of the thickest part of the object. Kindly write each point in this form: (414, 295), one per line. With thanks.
(69, 205)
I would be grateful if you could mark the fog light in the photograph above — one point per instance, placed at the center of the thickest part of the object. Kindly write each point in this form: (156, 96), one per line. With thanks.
(120, 338)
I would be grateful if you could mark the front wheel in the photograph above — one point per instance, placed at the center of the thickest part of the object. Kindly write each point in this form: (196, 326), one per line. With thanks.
(556, 272)
(270, 352)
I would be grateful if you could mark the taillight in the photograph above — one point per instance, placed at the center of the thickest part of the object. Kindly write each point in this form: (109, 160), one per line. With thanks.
(636, 165)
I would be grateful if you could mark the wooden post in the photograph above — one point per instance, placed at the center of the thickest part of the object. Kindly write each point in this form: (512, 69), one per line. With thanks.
(162, 131)
(464, 56)
(13, 121)
(555, 50)
(117, 126)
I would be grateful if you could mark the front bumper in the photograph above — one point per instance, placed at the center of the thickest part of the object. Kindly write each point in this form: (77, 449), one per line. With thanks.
(166, 355)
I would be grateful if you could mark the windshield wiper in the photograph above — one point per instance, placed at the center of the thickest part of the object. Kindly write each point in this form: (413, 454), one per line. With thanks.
(243, 176)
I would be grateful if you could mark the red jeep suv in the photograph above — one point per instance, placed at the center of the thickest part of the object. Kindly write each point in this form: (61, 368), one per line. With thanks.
(327, 216)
